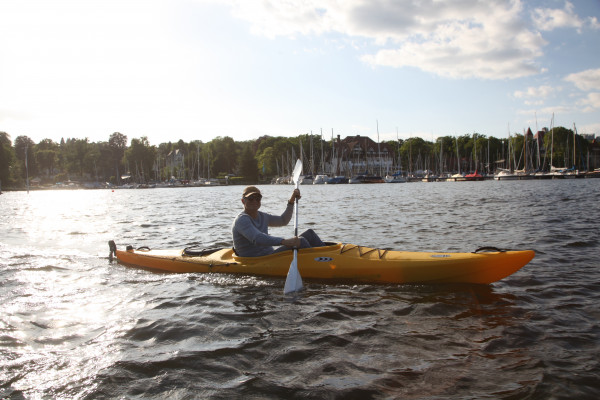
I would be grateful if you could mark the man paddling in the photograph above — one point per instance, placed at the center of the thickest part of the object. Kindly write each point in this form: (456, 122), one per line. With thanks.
(251, 228)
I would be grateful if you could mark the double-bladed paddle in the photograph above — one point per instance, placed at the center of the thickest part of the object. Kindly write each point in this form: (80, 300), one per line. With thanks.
(293, 282)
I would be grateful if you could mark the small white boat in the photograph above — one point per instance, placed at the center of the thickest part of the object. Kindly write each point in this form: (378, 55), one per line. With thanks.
(306, 180)
(320, 179)
(457, 178)
(505, 175)
(212, 182)
(396, 178)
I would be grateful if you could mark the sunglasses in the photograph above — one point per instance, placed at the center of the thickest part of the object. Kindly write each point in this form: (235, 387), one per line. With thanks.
(254, 197)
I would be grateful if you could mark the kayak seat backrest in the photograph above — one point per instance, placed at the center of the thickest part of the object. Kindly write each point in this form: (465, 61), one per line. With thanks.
(191, 251)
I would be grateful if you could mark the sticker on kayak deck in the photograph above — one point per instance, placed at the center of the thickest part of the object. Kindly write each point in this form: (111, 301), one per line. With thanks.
(323, 259)
(440, 255)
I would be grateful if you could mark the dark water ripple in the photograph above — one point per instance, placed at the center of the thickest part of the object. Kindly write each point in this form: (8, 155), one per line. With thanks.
(74, 326)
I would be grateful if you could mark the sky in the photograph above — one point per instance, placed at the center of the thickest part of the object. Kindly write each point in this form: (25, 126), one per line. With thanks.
(199, 69)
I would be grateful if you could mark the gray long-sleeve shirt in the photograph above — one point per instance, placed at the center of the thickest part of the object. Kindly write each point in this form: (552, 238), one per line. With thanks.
(251, 236)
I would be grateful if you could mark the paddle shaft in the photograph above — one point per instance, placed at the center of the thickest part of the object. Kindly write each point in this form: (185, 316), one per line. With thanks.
(296, 219)
(296, 183)
(295, 260)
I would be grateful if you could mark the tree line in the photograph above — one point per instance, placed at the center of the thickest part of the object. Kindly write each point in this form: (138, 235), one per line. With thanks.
(267, 157)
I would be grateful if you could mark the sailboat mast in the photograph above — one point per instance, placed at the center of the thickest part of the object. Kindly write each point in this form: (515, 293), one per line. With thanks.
(398, 143)
(510, 148)
(322, 169)
(525, 150)
(378, 148)
(457, 155)
(312, 158)
(552, 143)
(475, 149)
(26, 169)
(574, 137)
(488, 156)
(410, 156)
(441, 156)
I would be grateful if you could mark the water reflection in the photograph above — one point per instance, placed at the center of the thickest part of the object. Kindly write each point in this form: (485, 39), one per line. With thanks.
(74, 326)
(60, 326)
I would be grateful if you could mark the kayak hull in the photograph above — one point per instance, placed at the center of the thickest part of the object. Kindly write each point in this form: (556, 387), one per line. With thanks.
(341, 262)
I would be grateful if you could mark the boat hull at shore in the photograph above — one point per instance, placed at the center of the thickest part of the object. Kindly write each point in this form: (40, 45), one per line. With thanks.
(366, 179)
(339, 262)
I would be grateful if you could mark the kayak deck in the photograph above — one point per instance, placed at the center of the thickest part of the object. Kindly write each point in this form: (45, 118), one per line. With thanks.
(340, 262)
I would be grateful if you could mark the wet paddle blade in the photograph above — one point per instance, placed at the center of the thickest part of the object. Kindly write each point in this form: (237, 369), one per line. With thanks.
(293, 282)
(297, 173)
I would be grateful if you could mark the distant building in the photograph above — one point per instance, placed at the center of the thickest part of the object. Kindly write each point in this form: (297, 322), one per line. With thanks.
(175, 161)
(360, 154)
(593, 158)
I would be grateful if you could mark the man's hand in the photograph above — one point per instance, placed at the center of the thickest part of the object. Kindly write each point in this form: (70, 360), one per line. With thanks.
(295, 195)
(291, 242)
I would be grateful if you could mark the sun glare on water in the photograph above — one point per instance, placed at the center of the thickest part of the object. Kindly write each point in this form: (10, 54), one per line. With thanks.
(64, 315)
(68, 325)
(63, 219)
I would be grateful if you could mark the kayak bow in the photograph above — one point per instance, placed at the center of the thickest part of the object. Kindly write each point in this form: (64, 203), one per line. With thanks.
(339, 262)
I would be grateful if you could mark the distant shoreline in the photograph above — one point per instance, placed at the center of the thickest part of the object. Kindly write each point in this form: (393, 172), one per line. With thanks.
(585, 175)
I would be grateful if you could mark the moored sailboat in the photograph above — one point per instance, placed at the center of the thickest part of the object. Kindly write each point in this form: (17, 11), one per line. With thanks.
(395, 178)
(320, 179)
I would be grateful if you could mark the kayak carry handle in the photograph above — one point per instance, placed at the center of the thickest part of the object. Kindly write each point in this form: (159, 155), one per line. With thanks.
(489, 249)
(112, 247)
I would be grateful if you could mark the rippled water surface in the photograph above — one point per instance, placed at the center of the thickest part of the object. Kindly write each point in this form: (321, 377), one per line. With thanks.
(74, 326)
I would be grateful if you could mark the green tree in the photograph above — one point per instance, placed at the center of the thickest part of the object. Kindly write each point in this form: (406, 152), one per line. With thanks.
(394, 145)
(24, 152)
(279, 159)
(140, 157)
(248, 165)
(161, 168)
(104, 165)
(75, 152)
(267, 162)
(496, 154)
(196, 163)
(416, 152)
(223, 156)
(91, 160)
(517, 141)
(46, 155)
(566, 148)
(117, 142)
(6, 158)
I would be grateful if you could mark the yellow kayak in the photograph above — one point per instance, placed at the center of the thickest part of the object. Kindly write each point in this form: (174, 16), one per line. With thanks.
(339, 262)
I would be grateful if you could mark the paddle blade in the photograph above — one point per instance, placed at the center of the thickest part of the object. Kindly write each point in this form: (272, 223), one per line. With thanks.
(297, 172)
(293, 282)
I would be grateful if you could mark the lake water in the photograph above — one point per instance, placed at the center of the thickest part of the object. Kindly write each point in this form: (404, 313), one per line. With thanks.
(74, 326)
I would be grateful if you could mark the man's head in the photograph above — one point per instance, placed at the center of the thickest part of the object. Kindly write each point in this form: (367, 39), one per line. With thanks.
(251, 198)
(250, 191)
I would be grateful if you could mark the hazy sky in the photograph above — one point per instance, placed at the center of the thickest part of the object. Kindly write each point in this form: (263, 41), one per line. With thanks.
(197, 69)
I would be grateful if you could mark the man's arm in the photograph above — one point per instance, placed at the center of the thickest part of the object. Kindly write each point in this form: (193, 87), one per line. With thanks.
(283, 219)
(247, 229)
